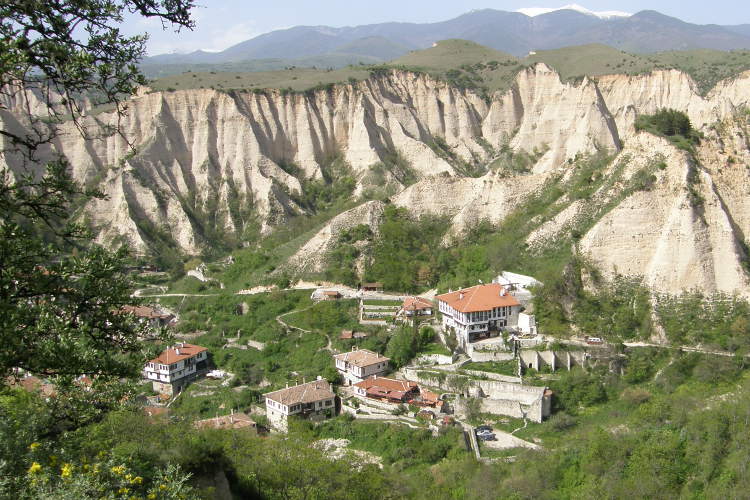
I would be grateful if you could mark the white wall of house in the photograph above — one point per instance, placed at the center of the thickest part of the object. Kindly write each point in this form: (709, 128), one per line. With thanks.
(278, 413)
(354, 374)
(527, 323)
(477, 322)
(166, 376)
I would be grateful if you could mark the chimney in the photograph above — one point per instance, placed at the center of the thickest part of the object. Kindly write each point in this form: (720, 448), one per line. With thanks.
(461, 296)
(177, 351)
(319, 378)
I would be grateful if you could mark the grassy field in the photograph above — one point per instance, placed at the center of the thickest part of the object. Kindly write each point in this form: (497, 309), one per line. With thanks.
(706, 67)
(509, 368)
(294, 78)
(472, 66)
(375, 302)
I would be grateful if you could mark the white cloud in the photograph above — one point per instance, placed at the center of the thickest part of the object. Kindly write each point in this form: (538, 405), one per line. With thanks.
(225, 38)
(538, 11)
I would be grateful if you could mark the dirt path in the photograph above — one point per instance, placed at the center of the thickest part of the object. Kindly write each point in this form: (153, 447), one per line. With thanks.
(287, 325)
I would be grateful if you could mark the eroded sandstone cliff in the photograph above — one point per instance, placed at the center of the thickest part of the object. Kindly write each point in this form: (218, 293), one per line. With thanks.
(191, 166)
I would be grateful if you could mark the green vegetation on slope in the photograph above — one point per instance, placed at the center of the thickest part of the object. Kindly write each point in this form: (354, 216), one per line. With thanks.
(706, 67)
(673, 125)
(650, 424)
(468, 65)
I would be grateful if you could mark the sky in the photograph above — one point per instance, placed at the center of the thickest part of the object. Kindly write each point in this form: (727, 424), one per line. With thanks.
(223, 23)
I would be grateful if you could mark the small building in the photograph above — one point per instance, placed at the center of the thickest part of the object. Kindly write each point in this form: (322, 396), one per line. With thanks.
(372, 287)
(479, 312)
(314, 400)
(358, 364)
(228, 422)
(416, 306)
(518, 285)
(346, 335)
(387, 389)
(396, 391)
(350, 334)
(150, 315)
(426, 414)
(30, 383)
(527, 324)
(176, 367)
(427, 399)
(331, 295)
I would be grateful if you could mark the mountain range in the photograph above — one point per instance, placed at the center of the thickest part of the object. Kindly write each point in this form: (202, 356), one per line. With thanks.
(513, 32)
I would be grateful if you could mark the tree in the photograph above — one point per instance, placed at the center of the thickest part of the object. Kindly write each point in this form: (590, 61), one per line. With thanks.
(61, 296)
(402, 347)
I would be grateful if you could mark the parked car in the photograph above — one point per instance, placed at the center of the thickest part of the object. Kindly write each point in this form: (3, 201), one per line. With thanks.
(594, 340)
(483, 428)
(485, 436)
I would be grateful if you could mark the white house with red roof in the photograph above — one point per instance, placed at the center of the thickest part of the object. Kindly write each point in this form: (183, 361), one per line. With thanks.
(478, 312)
(175, 367)
(358, 364)
(416, 306)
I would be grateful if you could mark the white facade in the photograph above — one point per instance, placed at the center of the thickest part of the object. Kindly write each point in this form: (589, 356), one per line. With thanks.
(527, 323)
(473, 326)
(173, 377)
(319, 402)
(354, 374)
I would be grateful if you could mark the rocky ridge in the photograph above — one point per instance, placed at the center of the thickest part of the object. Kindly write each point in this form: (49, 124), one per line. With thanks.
(207, 164)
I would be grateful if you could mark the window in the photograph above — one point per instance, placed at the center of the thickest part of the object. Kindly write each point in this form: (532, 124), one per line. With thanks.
(329, 402)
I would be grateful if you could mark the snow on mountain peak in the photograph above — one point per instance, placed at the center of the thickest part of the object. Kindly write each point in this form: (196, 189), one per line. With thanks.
(537, 11)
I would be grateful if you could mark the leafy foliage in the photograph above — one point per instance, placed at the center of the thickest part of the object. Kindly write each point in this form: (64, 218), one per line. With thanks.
(719, 319)
(672, 124)
(619, 309)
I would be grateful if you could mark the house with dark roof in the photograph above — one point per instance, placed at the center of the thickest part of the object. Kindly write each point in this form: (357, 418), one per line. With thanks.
(372, 287)
(176, 367)
(313, 400)
(478, 312)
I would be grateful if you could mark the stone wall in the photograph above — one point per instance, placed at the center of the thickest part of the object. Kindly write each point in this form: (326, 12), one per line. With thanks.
(555, 360)
(498, 397)
(434, 359)
(482, 356)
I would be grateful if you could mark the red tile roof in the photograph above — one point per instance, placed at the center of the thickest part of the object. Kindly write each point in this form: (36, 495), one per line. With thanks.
(145, 312)
(416, 303)
(387, 384)
(178, 353)
(479, 298)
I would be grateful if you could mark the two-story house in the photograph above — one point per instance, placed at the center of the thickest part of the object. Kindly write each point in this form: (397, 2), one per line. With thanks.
(478, 312)
(416, 306)
(358, 364)
(153, 317)
(175, 367)
(314, 400)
